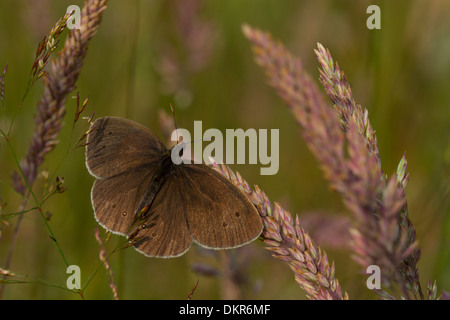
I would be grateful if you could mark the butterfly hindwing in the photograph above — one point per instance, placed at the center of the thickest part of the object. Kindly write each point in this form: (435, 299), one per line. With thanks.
(115, 200)
(166, 233)
(218, 214)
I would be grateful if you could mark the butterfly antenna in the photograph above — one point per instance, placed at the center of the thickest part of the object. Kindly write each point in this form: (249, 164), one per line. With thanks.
(174, 121)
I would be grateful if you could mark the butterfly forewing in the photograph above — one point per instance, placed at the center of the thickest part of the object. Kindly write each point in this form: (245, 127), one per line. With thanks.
(124, 157)
(115, 145)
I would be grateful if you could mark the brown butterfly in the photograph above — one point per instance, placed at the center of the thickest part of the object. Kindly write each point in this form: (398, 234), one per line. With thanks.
(160, 206)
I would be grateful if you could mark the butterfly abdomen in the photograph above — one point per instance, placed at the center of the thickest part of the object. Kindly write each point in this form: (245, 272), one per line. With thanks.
(165, 168)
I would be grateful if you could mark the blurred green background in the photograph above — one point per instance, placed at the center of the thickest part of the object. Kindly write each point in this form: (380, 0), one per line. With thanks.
(192, 54)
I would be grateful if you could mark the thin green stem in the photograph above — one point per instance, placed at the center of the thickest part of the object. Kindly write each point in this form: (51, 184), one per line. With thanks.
(37, 281)
(7, 216)
(22, 208)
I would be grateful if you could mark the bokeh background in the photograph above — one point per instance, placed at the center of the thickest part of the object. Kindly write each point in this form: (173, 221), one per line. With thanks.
(193, 54)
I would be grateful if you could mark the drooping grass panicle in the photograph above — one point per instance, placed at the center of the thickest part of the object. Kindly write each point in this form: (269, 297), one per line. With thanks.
(59, 81)
(340, 93)
(345, 145)
(287, 241)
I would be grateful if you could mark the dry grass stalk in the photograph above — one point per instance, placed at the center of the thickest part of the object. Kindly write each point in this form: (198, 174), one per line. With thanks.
(287, 241)
(58, 83)
(104, 258)
(346, 147)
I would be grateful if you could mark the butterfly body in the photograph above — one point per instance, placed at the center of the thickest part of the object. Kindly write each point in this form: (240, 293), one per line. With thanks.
(165, 169)
(142, 194)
